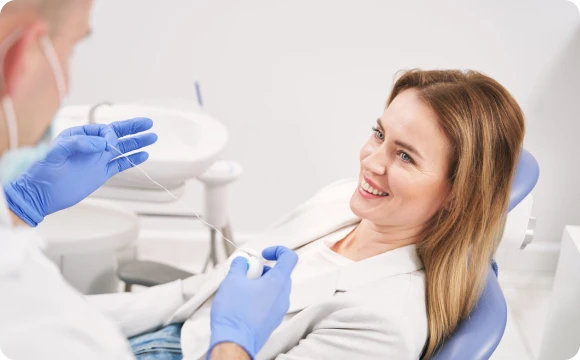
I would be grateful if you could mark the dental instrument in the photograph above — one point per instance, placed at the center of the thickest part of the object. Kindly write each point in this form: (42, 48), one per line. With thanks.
(198, 93)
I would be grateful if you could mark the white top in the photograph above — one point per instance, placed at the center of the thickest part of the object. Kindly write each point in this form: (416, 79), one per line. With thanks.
(314, 259)
(317, 258)
(41, 316)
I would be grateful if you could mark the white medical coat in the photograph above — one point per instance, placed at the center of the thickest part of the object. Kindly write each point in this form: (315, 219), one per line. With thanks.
(41, 316)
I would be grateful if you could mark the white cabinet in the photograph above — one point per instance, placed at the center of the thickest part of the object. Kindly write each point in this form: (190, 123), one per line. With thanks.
(561, 338)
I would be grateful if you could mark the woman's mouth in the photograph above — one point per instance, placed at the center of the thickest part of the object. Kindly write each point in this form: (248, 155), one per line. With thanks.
(369, 192)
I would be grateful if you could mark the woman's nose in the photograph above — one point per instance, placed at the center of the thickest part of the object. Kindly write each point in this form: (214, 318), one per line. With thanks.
(375, 162)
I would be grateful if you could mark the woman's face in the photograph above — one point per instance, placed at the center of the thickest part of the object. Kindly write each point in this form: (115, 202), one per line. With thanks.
(405, 161)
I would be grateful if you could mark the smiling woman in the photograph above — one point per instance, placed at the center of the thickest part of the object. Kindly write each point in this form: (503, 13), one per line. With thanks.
(436, 172)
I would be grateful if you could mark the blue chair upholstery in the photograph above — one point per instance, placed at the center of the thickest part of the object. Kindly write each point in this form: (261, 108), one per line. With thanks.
(477, 337)
(525, 178)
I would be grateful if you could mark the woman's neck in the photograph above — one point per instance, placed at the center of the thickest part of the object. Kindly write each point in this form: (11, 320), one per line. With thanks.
(368, 240)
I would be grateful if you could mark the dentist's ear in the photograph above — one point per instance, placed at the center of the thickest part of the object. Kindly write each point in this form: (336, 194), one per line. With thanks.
(19, 47)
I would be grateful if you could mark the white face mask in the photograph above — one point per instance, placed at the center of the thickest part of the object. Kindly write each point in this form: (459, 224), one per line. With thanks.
(17, 159)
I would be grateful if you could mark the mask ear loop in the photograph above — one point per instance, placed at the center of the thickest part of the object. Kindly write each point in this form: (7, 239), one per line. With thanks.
(7, 104)
(11, 123)
(54, 63)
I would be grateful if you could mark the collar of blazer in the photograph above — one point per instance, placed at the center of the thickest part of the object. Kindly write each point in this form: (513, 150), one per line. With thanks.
(313, 220)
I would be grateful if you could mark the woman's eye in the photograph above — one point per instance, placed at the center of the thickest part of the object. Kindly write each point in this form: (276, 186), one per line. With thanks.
(378, 134)
(405, 157)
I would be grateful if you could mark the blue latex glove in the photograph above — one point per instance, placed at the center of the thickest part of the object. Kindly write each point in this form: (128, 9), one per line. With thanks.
(78, 163)
(246, 312)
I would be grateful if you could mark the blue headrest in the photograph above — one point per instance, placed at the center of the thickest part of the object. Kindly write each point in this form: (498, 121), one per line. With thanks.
(477, 337)
(525, 178)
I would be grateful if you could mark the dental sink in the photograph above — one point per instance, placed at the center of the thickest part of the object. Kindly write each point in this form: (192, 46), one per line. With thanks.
(84, 242)
(189, 142)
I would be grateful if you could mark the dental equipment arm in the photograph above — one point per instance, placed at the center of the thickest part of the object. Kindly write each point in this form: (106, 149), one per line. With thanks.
(77, 164)
(246, 312)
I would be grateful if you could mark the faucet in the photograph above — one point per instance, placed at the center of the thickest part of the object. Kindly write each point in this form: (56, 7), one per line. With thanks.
(94, 109)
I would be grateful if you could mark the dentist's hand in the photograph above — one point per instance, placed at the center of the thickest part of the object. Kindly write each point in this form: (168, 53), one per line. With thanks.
(246, 312)
(78, 163)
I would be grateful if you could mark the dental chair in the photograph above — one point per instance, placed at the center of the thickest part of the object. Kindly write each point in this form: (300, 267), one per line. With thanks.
(477, 337)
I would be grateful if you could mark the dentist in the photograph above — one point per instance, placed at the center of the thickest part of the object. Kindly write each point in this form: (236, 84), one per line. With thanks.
(41, 316)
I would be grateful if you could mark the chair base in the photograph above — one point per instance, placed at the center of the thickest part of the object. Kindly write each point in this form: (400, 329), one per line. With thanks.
(149, 273)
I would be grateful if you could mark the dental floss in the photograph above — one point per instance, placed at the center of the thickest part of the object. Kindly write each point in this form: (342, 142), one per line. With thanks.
(255, 264)
(184, 205)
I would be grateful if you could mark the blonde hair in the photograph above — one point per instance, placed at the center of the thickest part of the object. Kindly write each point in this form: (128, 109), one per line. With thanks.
(485, 128)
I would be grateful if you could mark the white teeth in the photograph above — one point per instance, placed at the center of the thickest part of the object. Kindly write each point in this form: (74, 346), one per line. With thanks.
(371, 190)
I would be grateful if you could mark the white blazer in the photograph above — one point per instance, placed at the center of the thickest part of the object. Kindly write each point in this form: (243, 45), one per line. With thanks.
(371, 309)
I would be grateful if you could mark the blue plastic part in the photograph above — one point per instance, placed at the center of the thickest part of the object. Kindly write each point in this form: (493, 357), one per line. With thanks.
(525, 178)
(198, 93)
(477, 337)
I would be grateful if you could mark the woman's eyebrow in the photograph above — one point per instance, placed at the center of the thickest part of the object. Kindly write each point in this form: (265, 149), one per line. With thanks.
(408, 147)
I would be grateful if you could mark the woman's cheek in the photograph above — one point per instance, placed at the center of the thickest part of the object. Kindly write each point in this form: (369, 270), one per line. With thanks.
(401, 182)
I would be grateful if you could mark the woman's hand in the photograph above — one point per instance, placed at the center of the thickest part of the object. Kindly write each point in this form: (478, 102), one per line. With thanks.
(78, 163)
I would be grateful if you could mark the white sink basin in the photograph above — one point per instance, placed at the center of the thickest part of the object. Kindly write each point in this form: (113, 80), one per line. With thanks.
(91, 226)
(84, 242)
(189, 142)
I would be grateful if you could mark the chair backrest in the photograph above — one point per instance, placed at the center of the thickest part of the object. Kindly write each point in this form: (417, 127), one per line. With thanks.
(477, 337)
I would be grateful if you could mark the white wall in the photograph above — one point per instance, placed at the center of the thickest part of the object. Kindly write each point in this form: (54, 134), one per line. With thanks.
(300, 83)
